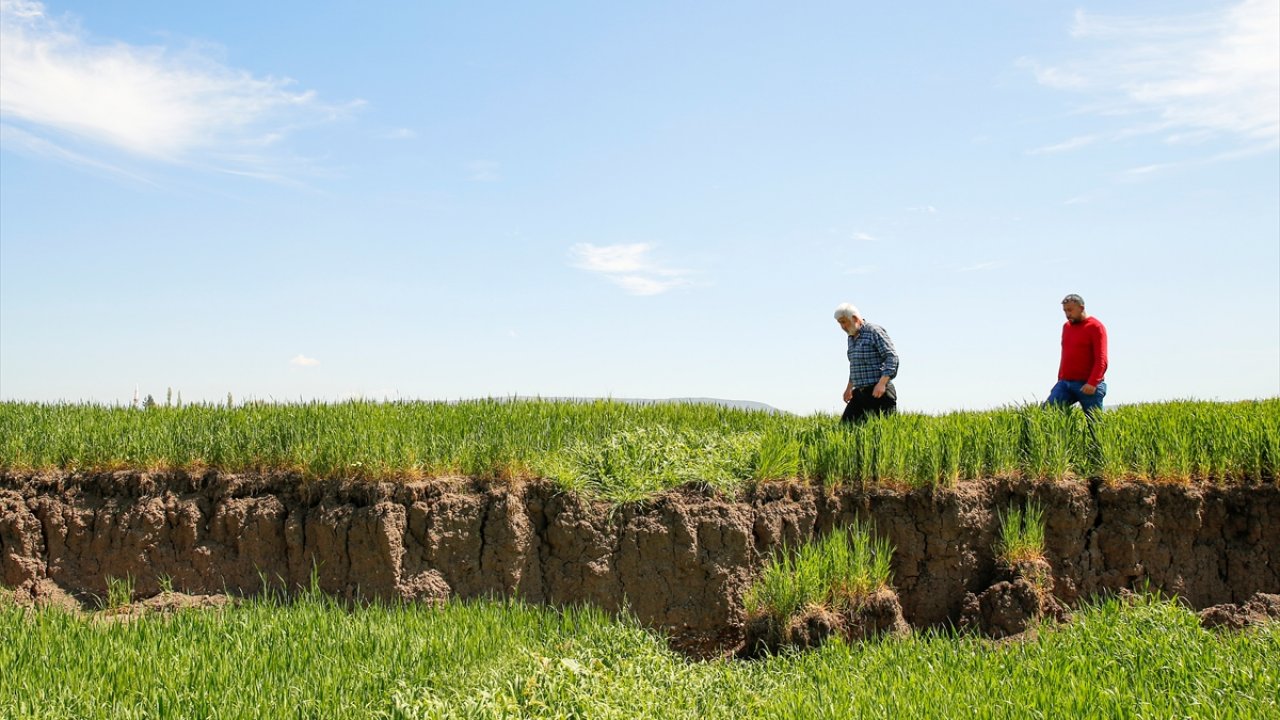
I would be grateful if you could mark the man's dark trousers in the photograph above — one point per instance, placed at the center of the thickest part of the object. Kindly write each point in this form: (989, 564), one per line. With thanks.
(864, 404)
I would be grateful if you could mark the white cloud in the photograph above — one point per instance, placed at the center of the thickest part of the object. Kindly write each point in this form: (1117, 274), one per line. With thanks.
(1075, 142)
(303, 361)
(1188, 78)
(1055, 77)
(642, 285)
(864, 237)
(926, 209)
(15, 138)
(612, 258)
(979, 266)
(628, 266)
(399, 134)
(177, 105)
(1139, 171)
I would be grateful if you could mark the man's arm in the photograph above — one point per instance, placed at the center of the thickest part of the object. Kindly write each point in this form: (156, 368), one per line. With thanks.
(1099, 369)
(888, 363)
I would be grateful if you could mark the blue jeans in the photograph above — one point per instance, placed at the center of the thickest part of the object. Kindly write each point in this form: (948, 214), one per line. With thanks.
(1067, 393)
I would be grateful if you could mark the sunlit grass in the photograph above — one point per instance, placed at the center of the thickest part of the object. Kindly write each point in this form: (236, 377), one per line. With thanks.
(319, 659)
(833, 572)
(119, 591)
(624, 451)
(1021, 535)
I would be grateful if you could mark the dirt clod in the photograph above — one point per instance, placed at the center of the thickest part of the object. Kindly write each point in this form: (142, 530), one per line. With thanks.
(870, 617)
(1260, 609)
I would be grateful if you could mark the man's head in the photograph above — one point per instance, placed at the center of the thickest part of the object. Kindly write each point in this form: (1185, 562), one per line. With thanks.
(1073, 308)
(849, 318)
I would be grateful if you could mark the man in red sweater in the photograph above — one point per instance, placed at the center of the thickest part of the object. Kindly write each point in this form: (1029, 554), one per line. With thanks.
(1084, 359)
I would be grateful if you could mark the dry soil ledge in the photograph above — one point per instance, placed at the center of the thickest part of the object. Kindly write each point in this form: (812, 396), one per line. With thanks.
(680, 562)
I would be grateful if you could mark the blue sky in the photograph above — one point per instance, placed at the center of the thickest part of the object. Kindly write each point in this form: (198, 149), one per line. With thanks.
(298, 201)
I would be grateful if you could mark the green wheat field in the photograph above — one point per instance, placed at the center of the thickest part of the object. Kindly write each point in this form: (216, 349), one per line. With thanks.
(314, 657)
(624, 451)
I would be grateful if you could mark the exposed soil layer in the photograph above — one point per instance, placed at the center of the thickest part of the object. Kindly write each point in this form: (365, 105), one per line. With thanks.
(680, 562)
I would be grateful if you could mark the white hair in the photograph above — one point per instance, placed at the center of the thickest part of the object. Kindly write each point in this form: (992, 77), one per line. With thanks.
(846, 310)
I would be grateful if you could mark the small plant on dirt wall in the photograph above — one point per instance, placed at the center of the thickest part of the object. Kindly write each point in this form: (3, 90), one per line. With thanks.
(839, 584)
(1022, 594)
(119, 591)
(1021, 536)
(833, 572)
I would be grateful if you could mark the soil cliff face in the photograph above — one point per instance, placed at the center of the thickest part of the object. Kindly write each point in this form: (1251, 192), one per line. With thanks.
(680, 562)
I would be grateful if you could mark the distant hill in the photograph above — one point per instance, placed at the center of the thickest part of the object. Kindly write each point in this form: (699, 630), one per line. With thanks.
(734, 404)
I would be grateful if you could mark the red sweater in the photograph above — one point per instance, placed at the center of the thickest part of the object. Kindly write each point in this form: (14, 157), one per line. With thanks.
(1084, 352)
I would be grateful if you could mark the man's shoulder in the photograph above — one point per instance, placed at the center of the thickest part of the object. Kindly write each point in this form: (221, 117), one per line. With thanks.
(876, 334)
(1088, 323)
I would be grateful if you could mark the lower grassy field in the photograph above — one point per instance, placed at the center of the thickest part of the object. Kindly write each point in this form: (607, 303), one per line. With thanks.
(313, 658)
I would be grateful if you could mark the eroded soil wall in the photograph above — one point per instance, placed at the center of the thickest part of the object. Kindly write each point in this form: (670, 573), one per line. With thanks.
(680, 562)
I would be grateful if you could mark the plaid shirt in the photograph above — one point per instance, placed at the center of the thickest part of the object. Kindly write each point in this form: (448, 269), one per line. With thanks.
(871, 355)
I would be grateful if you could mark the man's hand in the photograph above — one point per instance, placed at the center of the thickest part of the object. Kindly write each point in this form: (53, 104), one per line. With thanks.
(1088, 389)
(848, 392)
(878, 390)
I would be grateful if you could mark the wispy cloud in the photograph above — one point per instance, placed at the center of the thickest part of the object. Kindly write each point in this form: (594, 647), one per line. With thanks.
(303, 361)
(1140, 171)
(177, 105)
(612, 258)
(865, 237)
(399, 134)
(977, 267)
(1187, 78)
(926, 209)
(1064, 146)
(15, 138)
(628, 266)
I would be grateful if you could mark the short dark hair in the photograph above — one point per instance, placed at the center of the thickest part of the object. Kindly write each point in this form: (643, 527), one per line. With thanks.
(1073, 298)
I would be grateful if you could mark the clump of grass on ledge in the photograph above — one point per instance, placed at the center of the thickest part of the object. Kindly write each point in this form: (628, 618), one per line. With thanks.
(622, 451)
(834, 573)
(1021, 536)
(119, 592)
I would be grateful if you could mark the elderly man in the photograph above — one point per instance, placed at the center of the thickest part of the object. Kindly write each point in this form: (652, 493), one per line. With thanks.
(873, 363)
(1084, 359)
